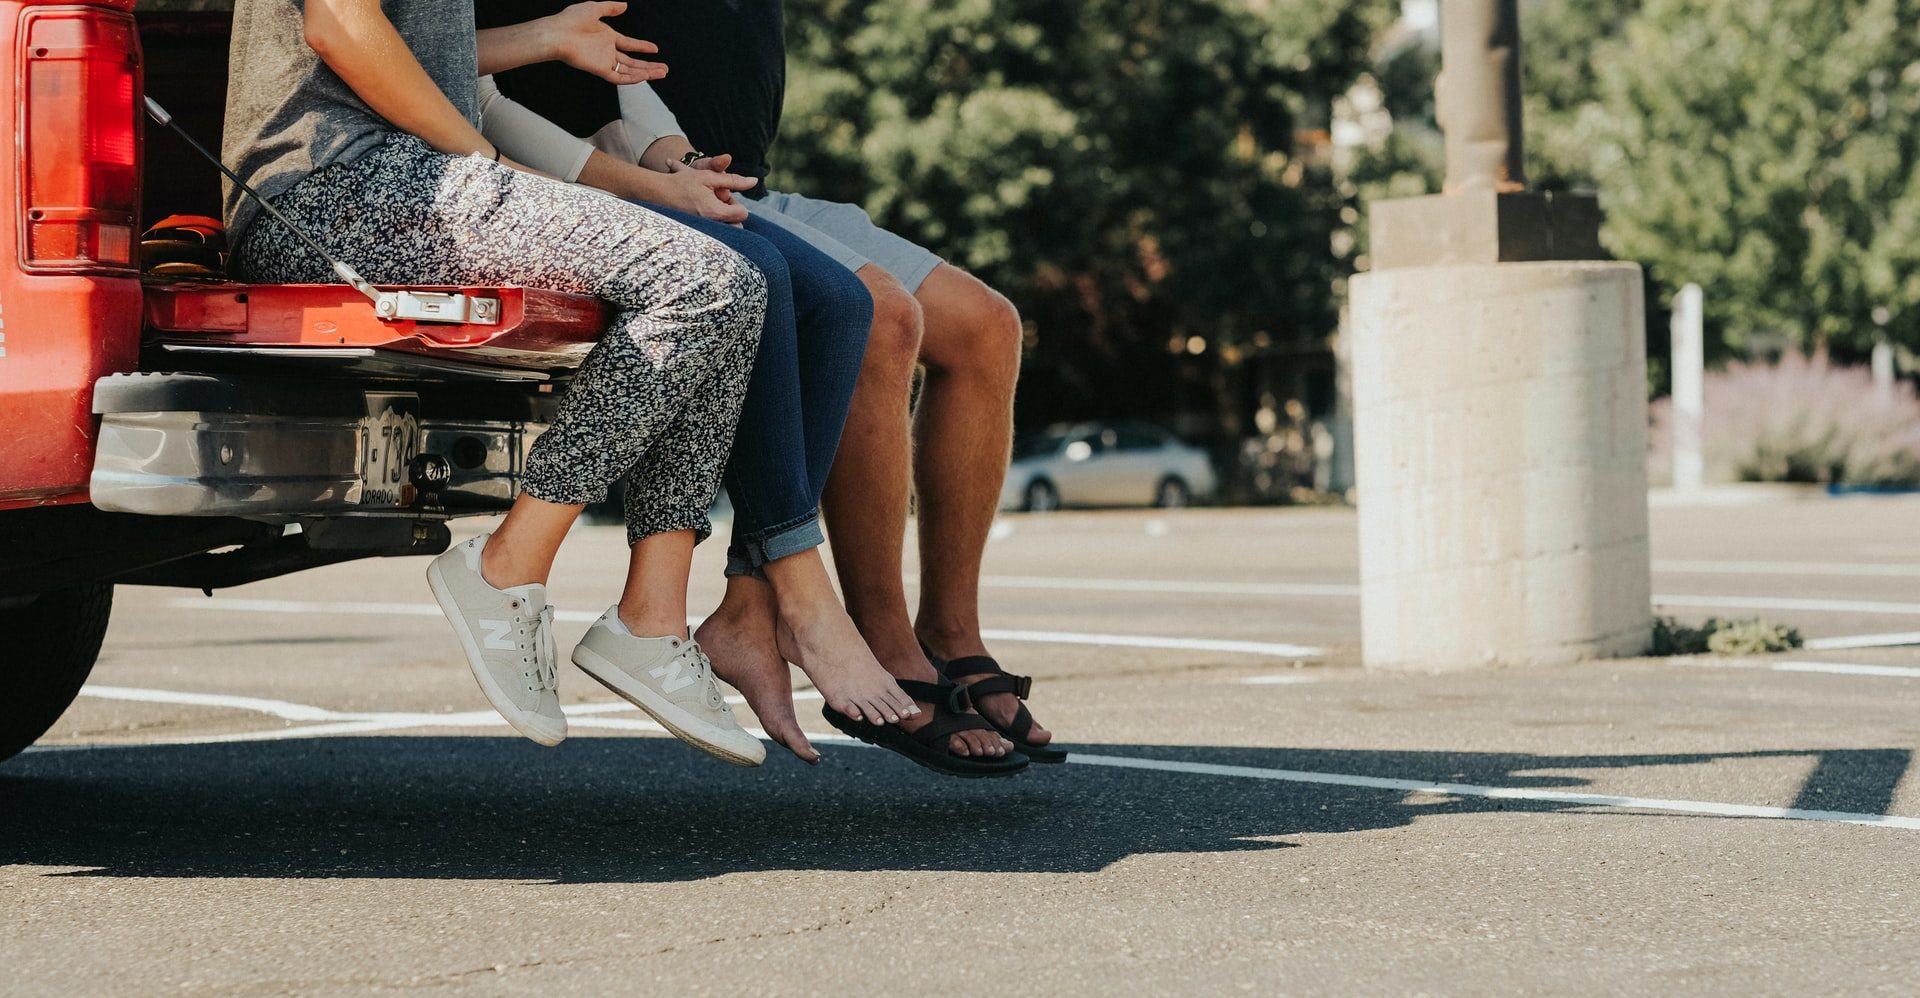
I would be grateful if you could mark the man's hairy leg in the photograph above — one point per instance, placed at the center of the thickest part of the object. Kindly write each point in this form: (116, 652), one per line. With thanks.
(866, 499)
(963, 434)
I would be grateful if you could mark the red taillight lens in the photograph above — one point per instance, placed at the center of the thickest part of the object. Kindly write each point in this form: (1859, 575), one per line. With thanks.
(80, 183)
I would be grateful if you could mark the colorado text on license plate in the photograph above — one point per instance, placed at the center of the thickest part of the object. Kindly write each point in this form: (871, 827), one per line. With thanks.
(390, 438)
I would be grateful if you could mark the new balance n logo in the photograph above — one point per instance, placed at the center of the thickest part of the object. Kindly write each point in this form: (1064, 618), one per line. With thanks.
(673, 677)
(497, 635)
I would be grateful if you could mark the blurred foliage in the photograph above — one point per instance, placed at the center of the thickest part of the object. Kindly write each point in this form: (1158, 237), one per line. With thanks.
(1722, 637)
(1769, 152)
(1124, 170)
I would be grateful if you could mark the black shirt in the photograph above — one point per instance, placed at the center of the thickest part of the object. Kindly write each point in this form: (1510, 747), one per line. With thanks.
(727, 62)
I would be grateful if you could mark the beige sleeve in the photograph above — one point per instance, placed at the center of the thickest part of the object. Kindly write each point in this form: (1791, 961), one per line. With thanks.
(645, 117)
(523, 135)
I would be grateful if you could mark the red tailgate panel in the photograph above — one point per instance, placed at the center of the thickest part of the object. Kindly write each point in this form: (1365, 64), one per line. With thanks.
(539, 330)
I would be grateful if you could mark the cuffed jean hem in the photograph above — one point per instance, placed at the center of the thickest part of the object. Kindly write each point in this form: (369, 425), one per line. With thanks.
(748, 555)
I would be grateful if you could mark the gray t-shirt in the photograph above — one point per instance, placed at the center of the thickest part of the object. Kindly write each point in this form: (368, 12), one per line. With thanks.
(288, 115)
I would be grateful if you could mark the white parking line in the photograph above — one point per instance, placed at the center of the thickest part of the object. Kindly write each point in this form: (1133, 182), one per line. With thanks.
(1713, 808)
(1851, 642)
(1165, 642)
(1346, 591)
(583, 715)
(1866, 569)
(1192, 586)
(1267, 648)
(1830, 668)
(360, 723)
(1848, 669)
(1282, 679)
(1790, 603)
(278, 708)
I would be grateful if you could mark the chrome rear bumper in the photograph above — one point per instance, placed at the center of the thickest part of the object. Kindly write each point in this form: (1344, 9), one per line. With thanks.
(200, 445)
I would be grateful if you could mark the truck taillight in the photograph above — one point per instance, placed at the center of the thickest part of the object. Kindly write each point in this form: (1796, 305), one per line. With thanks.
(80, 139)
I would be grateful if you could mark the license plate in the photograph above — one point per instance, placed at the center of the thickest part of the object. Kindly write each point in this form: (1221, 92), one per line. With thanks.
(389, 441)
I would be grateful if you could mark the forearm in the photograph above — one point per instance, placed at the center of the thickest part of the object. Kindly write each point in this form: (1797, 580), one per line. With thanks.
(356, 41)
(514, 46)
(625, 180)
(665, 151)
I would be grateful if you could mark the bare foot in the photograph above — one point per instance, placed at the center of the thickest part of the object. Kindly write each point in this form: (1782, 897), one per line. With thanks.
(972, 744)
(739, 638)
(820, 638)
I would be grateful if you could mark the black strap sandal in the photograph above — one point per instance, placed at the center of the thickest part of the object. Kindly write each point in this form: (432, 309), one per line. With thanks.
(928, 744)
(1000, 681)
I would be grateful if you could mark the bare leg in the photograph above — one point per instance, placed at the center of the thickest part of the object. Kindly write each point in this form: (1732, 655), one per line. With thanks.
(739, 636)
(654, 602)
(521, 551)
(816, 634)
(866, 499)
(964, 432)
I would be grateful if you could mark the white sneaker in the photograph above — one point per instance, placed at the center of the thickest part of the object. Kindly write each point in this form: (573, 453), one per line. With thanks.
(508, 637)
(672, 681)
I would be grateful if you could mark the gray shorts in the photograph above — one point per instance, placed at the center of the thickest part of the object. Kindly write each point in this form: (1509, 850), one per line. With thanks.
(847, 233)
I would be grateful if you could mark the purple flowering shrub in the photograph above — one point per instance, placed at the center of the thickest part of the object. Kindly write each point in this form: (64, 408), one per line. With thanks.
(1803, 419)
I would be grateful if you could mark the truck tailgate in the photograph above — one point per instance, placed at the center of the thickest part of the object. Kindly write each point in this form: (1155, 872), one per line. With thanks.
(538, 331)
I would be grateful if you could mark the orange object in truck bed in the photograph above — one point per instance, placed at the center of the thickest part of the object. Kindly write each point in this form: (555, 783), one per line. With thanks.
(538, 330)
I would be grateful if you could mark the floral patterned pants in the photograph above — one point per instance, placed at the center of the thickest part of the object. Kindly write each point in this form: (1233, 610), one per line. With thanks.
(655, 401)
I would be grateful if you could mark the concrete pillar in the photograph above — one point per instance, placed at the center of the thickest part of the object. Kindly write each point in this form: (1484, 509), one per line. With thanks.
(1689, 355)
(1500, 423)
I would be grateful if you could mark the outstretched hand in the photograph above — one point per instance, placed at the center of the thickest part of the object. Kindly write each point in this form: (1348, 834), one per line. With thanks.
(580, 37)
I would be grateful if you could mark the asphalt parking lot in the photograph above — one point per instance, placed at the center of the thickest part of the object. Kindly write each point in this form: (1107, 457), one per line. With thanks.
(294, 787)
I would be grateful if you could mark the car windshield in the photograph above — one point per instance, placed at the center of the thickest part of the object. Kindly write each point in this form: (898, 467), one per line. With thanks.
(1040, 443)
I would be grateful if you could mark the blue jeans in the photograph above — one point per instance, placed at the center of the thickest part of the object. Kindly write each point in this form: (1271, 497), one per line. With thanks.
(818, 316)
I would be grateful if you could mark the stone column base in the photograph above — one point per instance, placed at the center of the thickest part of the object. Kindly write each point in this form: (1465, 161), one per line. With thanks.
(1500, 421)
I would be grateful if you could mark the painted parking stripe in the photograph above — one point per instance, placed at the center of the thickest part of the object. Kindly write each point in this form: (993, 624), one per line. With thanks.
(1828, 668)
(1713, 808)
(1117, 585)
(1164, 642)
(1346, 591)
(1862, 569)
(1848, 643)
(1849, 669)
(1267, 648)
(1790, 603)
(1191, 586)
(278, 708)
(333, 722)
(1709, 808)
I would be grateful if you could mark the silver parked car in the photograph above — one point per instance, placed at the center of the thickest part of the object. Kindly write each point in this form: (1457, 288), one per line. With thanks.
(1098, 464)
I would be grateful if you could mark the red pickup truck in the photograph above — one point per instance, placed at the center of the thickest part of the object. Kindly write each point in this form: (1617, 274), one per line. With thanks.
(167, 426)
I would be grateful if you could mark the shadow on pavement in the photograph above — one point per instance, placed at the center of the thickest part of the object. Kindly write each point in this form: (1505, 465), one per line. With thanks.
(648, 809)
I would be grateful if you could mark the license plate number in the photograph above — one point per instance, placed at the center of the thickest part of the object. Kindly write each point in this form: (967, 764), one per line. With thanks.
(389, 441)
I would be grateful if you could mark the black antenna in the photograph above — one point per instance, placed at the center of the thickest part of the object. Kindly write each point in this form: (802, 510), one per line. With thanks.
(340, 267)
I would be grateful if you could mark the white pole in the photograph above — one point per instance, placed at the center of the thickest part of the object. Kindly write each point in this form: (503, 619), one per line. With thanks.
(1883, 366)
(1689, 388)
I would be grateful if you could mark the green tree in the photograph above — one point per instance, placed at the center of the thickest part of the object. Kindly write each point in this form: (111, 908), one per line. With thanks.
(1769, 153)
(1124, 169)
(1565, 45)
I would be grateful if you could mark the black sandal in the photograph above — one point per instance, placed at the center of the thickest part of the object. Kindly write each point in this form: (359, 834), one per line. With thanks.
(1000, 681)
(928, 745)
